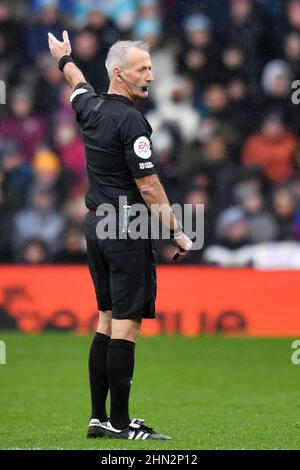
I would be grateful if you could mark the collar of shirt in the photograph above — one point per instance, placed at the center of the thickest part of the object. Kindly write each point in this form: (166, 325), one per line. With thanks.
(114, 96)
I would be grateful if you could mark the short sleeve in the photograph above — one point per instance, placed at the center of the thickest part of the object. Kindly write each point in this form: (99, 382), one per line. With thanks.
(135, 134)
(82, 99)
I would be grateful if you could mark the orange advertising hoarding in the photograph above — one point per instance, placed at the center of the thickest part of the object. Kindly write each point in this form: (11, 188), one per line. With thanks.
(191, 301)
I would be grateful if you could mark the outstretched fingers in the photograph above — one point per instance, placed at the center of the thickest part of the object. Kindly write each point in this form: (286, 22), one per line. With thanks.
(52, 39)
(66, 36)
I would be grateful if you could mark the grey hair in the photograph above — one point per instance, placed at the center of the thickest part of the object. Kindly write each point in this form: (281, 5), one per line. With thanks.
(117, 54)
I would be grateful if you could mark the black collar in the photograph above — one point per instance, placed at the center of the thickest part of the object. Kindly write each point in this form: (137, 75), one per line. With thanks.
(114, 96)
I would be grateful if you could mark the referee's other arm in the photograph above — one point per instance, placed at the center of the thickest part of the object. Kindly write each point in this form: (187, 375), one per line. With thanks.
(156, 199)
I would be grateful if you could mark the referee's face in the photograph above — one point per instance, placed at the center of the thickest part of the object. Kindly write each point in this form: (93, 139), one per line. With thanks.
(138, 73)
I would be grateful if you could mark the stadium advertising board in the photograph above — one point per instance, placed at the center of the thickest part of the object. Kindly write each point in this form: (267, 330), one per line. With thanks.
(191, 301)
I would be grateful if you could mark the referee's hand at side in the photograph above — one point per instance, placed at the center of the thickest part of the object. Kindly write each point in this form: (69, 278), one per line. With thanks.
(58, 48)
(183, 244)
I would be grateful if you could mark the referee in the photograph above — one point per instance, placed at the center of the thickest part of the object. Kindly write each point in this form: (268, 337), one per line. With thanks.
(118, 147)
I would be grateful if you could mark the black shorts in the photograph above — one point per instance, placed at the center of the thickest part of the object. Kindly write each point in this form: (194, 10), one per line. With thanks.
(123, 273)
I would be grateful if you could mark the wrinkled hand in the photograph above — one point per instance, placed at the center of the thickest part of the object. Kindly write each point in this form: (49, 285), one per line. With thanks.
(183, 244)
(59, 48)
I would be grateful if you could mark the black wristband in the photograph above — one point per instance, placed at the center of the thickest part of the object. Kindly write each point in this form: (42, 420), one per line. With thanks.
(63, 61)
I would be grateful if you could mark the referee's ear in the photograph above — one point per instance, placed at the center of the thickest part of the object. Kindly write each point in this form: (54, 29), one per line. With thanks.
(117, 73)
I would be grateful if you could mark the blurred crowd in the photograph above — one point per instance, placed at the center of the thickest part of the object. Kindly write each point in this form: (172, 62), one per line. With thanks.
(226, 129)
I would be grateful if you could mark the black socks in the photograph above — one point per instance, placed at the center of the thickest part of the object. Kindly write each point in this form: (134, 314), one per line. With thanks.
(111, 365)
(120, 365)
(98, 376)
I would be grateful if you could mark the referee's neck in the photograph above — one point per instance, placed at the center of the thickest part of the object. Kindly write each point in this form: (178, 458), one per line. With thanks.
(120, 90)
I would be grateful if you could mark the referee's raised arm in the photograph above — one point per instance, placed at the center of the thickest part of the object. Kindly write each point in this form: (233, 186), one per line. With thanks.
(61, 52)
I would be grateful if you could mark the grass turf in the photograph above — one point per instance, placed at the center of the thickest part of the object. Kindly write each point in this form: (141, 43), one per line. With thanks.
(207, 393)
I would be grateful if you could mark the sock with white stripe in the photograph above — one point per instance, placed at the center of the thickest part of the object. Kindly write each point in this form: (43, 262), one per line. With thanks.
(98, 376)
(120, 366)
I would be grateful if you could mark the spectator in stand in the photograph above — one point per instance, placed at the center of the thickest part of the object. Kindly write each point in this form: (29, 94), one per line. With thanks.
(98, 22)
(233, 62)
(198, 203)
(48, 87)
(247, 27)
(16, 177)
(290, 23)
(241, 94)
(33, 252)
(291, 53)
(285, 210)
(231, 228)
(21, 124)
(47, 167)
(75, 209)
(198, 175)
(174, 107)
(63, 112)
(166, 146)
(273, 148)
(292, 15)
(39, 219)
(74, 247)
(260, 222)
(50, 175)
(199, 54)
(11, 65)
(148, 9)
(123, 14)
(89, 54)
(47, 18)
(70, 147)
(9, 28)
(276, 87)
(216, 104)
(220, 167)
(242, 109)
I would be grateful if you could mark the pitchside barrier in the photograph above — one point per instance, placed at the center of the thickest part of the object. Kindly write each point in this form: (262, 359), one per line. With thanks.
(191, 301)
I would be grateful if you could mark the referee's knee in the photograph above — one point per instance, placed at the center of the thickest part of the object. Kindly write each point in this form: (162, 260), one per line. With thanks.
(104, 323)
(126, 329)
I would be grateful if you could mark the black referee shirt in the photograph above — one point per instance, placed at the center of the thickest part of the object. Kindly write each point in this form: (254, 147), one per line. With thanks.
(118, 146)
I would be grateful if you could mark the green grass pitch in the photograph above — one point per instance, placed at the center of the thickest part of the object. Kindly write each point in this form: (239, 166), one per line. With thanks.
(206, 392)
